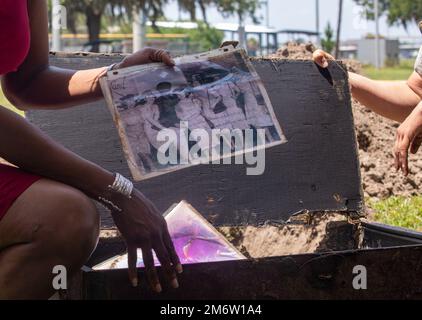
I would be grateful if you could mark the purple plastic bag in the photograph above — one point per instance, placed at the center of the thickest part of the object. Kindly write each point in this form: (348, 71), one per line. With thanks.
(195, 240)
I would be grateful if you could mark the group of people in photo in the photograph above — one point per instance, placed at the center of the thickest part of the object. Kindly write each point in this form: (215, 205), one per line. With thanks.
(232, 101)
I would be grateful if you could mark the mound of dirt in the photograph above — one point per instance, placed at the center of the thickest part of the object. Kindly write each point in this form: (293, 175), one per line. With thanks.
(324, 232)
(294, 51)
(304, 51)
(376, 137)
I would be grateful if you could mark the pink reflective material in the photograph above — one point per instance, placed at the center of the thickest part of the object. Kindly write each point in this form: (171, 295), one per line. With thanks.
(194, 238)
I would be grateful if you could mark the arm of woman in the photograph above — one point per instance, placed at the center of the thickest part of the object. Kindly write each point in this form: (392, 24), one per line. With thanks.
(36, 84)
(391, 99)
(139, 221)
(408, 139)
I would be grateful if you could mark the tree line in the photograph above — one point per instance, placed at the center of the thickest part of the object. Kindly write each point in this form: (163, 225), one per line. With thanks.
(91, 12)
(398, 12)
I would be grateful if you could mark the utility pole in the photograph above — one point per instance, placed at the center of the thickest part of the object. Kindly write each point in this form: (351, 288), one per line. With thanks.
(377, 35)
(179, 12)
(242, 35)
(56, 12)
(317, 22)
(139, 28)
(267, 11)
(339, 22)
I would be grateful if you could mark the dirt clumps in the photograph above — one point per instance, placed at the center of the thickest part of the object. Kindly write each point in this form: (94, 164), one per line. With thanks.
(294, 51)
(376, 137)
(324, 232)
(353, 65)
(304, 51)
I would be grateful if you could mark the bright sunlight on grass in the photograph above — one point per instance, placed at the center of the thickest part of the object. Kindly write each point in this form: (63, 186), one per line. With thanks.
(399, 211)
(401, 72)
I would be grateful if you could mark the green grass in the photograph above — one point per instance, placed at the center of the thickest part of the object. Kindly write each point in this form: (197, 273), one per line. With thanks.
(387, 73)
(399, 211)
(396, 211)
(401, 72)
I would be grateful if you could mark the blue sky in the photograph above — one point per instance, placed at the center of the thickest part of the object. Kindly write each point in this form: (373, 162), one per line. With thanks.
(300, 14)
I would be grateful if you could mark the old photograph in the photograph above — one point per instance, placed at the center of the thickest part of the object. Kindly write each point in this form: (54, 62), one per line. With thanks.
(207, 108)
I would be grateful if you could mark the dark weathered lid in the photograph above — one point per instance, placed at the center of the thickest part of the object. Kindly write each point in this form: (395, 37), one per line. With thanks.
(317, 170)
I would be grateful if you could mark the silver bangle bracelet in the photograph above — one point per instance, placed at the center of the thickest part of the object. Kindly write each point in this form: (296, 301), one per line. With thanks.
(122, 185)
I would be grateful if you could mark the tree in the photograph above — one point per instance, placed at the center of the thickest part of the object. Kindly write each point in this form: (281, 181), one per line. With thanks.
(204, 37)
(94, 10)
(191, 6)
(208, 37)
(188, 6)
(240, 8)
(327, 42)
(398, 11)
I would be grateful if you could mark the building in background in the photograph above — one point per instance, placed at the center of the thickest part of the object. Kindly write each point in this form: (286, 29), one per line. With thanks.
(364, 50)
(389, 52)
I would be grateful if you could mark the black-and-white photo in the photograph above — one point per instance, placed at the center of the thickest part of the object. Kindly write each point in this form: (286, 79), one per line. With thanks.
(205, 109)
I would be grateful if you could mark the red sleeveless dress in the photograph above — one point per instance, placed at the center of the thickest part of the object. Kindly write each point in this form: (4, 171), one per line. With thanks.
(14, 47)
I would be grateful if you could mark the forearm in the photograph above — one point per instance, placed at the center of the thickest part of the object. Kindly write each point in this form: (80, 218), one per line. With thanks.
(392, 99)
(36, 84)
(53, 88)
(27, 147)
